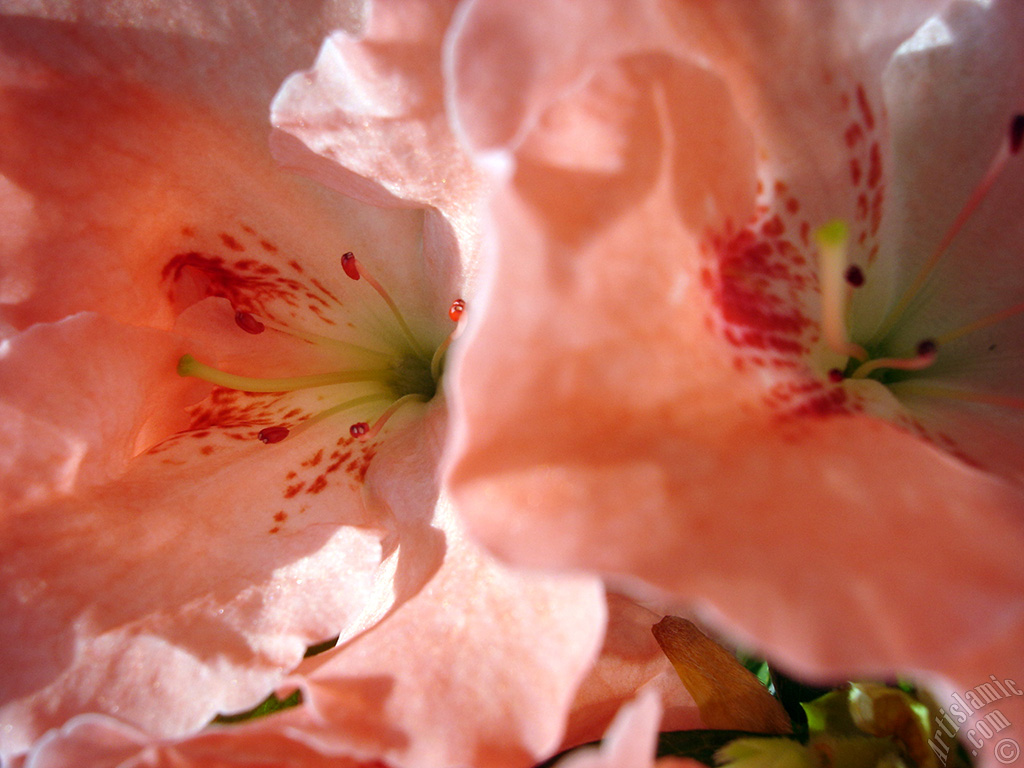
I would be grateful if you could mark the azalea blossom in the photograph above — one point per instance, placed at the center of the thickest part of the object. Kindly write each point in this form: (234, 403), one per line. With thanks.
(223, 383)
(754, 323)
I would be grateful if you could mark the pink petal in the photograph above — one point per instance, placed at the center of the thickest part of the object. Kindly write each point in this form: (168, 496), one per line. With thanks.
(479, 668)
(185, 589)
(79, 398)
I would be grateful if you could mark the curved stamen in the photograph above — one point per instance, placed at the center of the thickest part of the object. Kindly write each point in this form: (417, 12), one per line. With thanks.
(927, 351)
(835, 286)
(949, 393)
(354, 269)
(1010, 147)
(455, 312)
(248, 323)
(977, 325)
(189, 366)
(362, 431)
(277, 434)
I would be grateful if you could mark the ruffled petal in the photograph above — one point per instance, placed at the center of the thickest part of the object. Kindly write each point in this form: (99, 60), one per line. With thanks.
(630, 742)
(79, 398)
(187, 588)
(103, 742)
(479, 668)
(106, 608)
(138, 136)
(369, 120)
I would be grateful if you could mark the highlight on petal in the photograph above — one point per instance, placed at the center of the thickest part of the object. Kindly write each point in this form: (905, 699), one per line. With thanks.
(79, 397)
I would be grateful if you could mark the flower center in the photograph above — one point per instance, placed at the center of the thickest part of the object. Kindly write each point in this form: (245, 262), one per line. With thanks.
(873, 358)
(390, 379)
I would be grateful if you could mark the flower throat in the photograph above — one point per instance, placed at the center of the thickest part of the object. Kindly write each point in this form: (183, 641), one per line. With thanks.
(396, 378)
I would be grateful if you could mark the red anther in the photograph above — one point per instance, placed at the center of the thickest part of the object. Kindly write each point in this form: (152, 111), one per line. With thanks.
(1016, 133)
(456, 309)
(272, 434)
(927, 348)
(854, 276)
(350, 265)
(359, 429)
(835, 376)
(248, 323)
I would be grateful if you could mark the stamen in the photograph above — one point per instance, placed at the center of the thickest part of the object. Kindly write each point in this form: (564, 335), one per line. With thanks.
(854, 276)
(354, 269)
(455, 312)
(835, 376)
(832, 245)
(456, 309)
(272, 434)
(977, 325)
(277, 434)
(248, 323)
(313, 338)
(1008, 149)
(362, 431)
(948, 393)
(927, 351)
(1016, 133)
(189, 366)
(350, 265)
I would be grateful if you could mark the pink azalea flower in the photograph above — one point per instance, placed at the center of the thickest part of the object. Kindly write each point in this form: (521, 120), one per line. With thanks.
(159, 563)
(680, 400)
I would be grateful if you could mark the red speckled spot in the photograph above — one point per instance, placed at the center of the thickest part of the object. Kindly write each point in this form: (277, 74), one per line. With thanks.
(855, 171)
(854, 135)
(875, 166)
(865, 108)
(230, 242)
